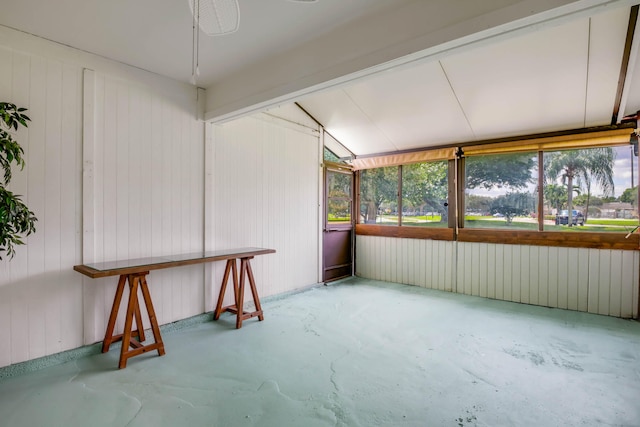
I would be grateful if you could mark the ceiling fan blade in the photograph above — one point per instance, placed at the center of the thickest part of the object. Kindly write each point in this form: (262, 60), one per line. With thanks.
(216, 17)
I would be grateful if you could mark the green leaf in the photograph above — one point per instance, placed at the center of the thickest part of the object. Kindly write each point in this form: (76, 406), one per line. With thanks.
(16, 220)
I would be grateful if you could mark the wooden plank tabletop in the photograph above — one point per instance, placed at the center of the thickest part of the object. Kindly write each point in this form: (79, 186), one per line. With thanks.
(131, 266)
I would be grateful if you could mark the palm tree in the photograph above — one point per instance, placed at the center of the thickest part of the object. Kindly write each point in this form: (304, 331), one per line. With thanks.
(576, 166)
(568, 165)
(598, 168)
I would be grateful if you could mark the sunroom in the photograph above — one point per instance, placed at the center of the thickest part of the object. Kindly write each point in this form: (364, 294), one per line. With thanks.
(436, 203)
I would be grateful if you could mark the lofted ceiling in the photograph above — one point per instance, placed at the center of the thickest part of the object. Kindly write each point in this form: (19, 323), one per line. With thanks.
(555, 78)
(380, 75)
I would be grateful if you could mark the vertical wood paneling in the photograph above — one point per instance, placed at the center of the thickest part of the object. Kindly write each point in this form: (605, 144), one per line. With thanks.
(629, 283)
(593, 280)
(572, 279)
(149, 192)
(635, 283)
(70, 289)
(415, 264)
(36, 201)
(482, 270)
(377, 246)
(468, 268)
(441, 263)
(6, 298)
(52, 216)
(524, 265)
(604, 281)
(548, 275)
(507, 268)
(262, 175)
(406, 251)
(597, 281)
(421, 265)
(491, 271)
(583, 279)
(427, 259)
(499, 271)
(134, 137)
(552, 284)
(444, 263)
(40, 296)
(534, 275)
(616, 284)
(16, 290)
(515, 273)
(565, 269)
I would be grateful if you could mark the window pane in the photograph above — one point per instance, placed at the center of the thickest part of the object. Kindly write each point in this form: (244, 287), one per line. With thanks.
(501, 191)
(379, 196)
(331, 156)
(424, 194)
(338, 197)
(591, 190)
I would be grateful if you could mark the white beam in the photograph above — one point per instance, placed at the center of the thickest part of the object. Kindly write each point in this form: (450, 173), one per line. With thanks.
(420, 30)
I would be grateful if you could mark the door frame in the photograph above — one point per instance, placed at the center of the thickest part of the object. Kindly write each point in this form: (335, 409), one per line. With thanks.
(343, 227)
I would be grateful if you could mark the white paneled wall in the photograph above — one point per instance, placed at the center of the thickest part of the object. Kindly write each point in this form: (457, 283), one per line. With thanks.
(40, 295)
(426, 263)
(264, 181)
(591, 280)
(143, 192)
(148, 186)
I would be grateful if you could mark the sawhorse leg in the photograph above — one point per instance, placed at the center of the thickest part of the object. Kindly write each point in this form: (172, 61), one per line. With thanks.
(238, 292)
(128, 337)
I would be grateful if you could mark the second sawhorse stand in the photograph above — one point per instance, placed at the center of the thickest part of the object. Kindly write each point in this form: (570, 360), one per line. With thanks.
(238, 292)
(132, 340)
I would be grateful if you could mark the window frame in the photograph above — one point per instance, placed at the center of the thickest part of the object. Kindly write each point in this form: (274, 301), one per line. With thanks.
(345, 170)
(456, 231)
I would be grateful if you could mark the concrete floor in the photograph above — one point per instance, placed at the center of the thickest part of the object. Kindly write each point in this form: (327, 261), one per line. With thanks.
(358, 353)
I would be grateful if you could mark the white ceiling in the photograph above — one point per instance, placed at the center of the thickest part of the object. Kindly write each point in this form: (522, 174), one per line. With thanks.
(156, 35)
(560, 73)
(557, 78)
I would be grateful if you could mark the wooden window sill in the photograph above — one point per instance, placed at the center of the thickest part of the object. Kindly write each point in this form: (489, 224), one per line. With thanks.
(582, 239)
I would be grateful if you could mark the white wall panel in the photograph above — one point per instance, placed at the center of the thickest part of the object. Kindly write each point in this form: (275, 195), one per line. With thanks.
(41, 297)
(597, 281)
(264, 175)
(149, 176)
(429, 263)
(145, 153)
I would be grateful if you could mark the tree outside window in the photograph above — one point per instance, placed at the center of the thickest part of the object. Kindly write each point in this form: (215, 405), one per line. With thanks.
(501, 191)
(592, 187)
(379, 196)
(424, 194)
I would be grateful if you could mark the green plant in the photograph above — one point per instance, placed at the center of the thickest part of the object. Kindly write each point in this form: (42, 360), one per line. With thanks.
(16, 220)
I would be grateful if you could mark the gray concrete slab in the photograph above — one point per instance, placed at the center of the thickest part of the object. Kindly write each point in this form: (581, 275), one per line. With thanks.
(359, 353)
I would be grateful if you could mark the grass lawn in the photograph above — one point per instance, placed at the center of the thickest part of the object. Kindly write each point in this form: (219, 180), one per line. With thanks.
(413, 221)
(526, 223)
(592, 225)
(616, 222)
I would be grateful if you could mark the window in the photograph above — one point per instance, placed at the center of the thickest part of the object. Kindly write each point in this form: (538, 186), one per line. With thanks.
(424, 194)
(501, 191)
(590, 190)
(330, 156)
(338, 197)
(379, 196)
(545, 190)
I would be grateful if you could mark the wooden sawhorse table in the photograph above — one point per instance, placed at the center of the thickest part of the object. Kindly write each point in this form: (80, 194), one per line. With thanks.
(238, 292)
(134, 272)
